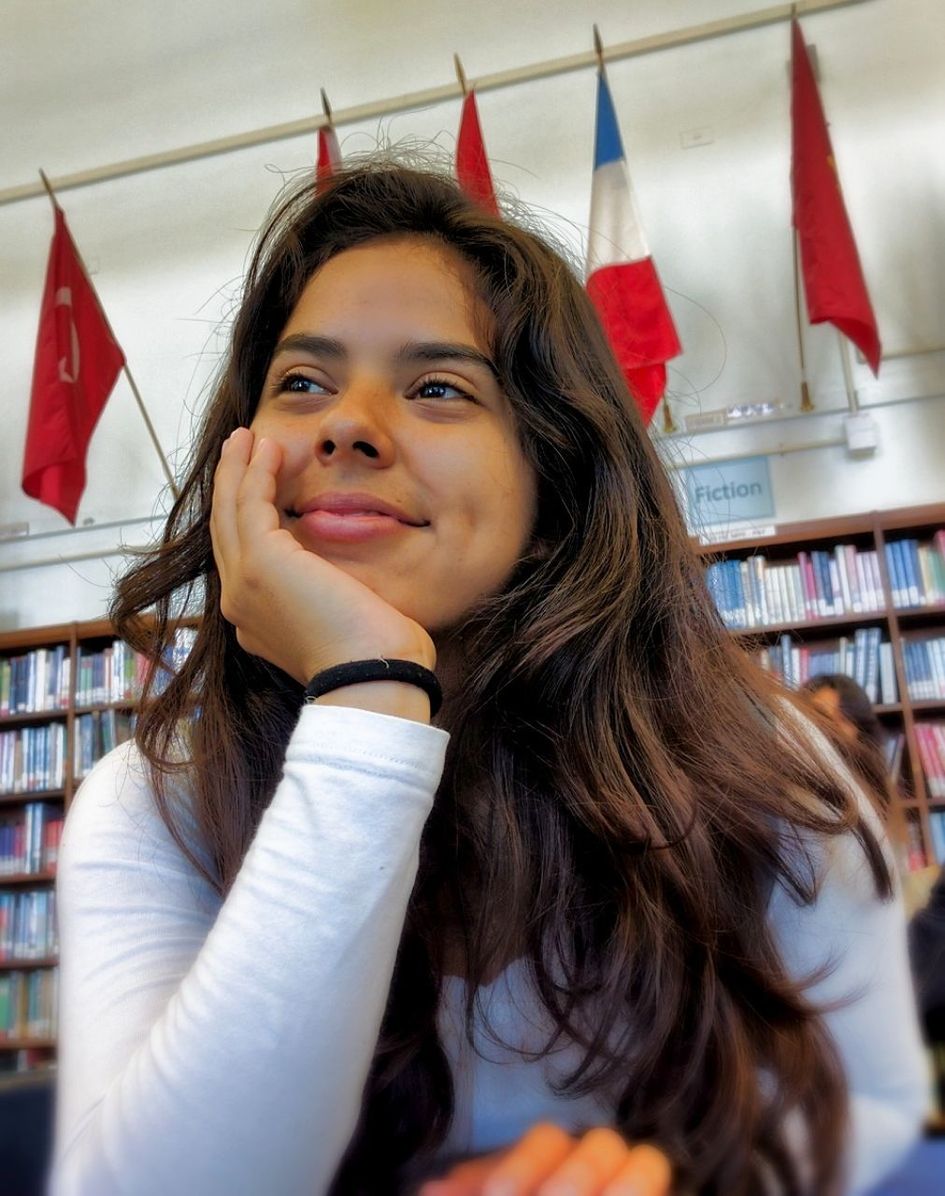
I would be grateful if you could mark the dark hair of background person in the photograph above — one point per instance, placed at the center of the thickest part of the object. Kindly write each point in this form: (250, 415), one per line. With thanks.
(865, 755)
(619, 772)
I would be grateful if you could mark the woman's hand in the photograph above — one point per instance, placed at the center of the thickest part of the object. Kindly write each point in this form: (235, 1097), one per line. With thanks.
(549, 1162)
(290, 606)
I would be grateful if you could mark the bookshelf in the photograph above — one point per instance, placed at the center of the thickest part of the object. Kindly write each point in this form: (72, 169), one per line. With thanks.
(862, 594)
(67, 694)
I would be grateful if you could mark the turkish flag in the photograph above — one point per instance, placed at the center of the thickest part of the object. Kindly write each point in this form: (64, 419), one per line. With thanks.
(77, 362)
(472, 165)
(833, 278)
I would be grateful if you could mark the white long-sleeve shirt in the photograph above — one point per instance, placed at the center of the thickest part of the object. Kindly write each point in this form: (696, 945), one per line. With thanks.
(214, 1048)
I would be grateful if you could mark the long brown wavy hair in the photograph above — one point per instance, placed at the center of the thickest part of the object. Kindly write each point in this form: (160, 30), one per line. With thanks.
(621, 792)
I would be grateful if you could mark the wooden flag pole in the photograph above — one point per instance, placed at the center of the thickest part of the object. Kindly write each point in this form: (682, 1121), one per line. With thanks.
(806, 401)
(669, 424)
(131, 382)
(461, 75)
(852, 401)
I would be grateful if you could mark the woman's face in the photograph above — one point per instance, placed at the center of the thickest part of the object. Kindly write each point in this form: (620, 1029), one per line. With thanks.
(401, 462)
(827, 701)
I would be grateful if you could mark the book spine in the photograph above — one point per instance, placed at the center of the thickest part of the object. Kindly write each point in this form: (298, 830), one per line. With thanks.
(833, 572)
(887, 675)
(910, 560)
(846, 592)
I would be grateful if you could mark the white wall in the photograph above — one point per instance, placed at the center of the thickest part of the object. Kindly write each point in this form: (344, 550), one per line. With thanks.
(106, 81)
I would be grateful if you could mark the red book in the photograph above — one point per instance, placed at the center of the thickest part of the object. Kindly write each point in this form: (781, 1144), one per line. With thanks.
(834, 286)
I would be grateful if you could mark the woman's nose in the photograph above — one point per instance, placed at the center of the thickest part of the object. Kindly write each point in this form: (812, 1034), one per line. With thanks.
(357, 427)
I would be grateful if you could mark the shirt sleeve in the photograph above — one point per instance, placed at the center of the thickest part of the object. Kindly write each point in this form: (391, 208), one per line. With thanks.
(866, 991)
(222, 1048)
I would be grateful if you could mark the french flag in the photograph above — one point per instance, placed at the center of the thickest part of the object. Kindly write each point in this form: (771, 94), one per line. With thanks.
(621, 277)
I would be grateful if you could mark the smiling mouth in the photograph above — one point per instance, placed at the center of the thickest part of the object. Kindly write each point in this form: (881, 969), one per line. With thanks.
(321, 526)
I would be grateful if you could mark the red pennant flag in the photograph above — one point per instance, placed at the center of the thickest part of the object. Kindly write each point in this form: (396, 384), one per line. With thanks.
(77, 362)
(472, 165)
(833, 278)
(329, 154)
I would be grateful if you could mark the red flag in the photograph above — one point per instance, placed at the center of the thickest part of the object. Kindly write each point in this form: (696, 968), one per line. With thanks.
(329, 154)
(77, 362)
(833, 278)
(472, 165)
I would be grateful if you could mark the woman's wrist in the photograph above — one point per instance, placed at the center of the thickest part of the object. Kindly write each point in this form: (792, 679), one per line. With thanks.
(395, 698)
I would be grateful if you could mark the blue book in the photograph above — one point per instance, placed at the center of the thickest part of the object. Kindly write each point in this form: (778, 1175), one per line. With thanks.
(913, 571)
(900, 584)
(937, 827)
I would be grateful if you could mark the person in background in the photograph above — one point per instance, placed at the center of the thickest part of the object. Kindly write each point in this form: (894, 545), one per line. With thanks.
(860, 735)
(610, 916)
(847, 706)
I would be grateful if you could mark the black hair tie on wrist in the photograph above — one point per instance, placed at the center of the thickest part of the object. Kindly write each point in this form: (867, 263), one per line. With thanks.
(355, 672)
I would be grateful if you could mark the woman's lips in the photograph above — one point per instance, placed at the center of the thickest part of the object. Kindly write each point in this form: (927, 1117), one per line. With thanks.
(350, 527)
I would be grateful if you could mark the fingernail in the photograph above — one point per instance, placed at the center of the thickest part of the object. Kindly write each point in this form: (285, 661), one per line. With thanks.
(434, 1189)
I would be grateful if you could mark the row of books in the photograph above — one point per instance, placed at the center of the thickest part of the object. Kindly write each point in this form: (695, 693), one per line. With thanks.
(112, 674)
(930, 738)
(28, 1003)
(924, 662)
(916, 857)
(864, 656)
(28, 925)
(96, 734)
(32, 758)
(36, 681)
(29, 839)
(937, 827)
(33, 682)
(817, 585)
(917, 571)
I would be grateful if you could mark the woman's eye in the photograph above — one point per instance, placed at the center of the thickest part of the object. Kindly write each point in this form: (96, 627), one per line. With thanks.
(300, 384)
(438, 388)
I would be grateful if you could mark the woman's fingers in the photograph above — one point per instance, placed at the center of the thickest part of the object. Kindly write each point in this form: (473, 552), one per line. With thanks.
(530, 1161)
(256, 512)
(548, 1162)
(646, 1172)
(596, 1159)
(224, 532)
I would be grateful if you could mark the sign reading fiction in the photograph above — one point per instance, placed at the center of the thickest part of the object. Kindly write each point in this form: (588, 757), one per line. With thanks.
(726, 492)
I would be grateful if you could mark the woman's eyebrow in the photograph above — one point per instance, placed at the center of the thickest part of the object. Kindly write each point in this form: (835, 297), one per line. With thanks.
(413, 351)
(446, 351)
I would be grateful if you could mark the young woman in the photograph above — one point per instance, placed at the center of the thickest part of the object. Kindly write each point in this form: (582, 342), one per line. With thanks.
(615, 892)
(859, 733)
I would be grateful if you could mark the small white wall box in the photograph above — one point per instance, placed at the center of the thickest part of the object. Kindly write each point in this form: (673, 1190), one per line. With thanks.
(862, 433)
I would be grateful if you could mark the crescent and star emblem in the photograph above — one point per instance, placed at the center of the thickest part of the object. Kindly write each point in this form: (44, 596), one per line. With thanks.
(69, 371)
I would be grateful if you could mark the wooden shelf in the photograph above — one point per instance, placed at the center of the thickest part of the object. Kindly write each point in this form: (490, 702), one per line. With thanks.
(26, 878)
(831, 623)
(29, 718)
(28, 965)
(130, 704)
(27, 1044)
(869, 532)
(15, 799)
